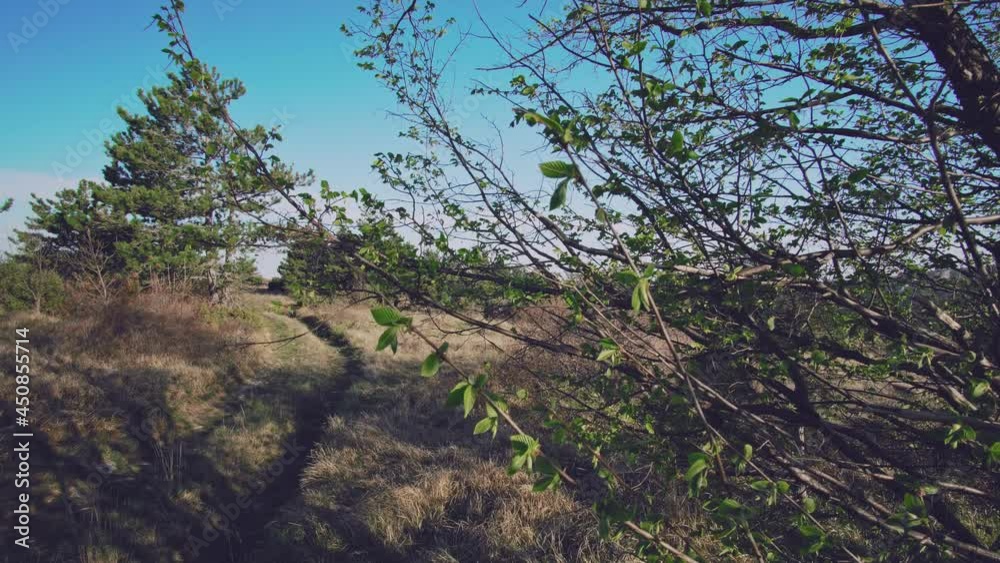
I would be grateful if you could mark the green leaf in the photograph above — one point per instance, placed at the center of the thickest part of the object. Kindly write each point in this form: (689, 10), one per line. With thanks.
(914, 504)
(547, 483)
(516, 463)
(534, 117)
(388, 339)
(677, 142)
(525, 449)
(640, 295)
(484, 425)
(634, 48)
(431, 365)
(457, 394)
(793, 119)
(979, 388)
(557, 169)
(770, 324)
(386, 316)
(559, 196)
(697, 467)
(523, 444)
(498, 402)
(609, 351)
(697, 473)
(809, 505)
(993, 454)
(815, 539)
(480, 380)
(795, 270)
(857, 175)
(704, 8)
(469, 399)
(627, 277)
(607, 354)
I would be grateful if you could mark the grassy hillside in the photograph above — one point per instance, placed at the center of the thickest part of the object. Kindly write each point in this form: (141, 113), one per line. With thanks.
(397, 476)
(167, 430)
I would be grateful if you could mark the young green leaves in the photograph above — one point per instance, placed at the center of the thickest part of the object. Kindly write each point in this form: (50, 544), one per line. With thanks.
(697, 473)
(566, 172)
(563, 171)
(466, 393)
(526, 449)
(549, 477)
(641, 296)
(559, 196)
(557, 169)
(394, 323)
(610, 352)
(773, 490)
(432, 364)
(491, 423)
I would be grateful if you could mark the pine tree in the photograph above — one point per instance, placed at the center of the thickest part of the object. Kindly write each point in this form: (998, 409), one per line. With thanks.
(173, 172)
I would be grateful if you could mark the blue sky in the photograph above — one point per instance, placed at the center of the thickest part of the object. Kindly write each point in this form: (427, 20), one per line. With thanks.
(66, 71)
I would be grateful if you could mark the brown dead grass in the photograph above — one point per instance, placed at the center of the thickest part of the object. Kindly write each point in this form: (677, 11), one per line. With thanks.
(116, 391)
(397, 476)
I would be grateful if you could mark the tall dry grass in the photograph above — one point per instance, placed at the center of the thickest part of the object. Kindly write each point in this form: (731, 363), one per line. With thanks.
(397, 476)
(117, 390)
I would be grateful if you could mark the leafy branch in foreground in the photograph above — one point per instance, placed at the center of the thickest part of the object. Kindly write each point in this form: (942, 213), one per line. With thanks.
(811, 273)
(788, 241)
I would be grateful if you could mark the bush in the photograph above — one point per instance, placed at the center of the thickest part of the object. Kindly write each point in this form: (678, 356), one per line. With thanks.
(24, 286)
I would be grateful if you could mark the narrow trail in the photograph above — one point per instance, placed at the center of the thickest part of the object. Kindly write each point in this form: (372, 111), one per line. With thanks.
(310, 373)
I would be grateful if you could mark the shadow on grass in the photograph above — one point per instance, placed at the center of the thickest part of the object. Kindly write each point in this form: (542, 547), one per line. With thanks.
(118, 475)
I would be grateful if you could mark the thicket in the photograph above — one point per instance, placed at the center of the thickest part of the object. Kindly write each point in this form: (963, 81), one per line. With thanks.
(773, 226)
(178, 206)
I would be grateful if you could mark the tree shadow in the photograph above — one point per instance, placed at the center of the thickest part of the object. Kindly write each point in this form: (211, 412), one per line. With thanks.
(104, 482)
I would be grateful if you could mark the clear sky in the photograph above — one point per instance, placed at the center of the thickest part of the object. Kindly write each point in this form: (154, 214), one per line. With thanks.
(67, 69)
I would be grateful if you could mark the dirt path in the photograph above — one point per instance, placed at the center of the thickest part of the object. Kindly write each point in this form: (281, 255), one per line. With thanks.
(302, 382)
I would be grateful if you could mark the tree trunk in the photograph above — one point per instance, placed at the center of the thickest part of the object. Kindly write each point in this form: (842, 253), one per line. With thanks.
(967, 64)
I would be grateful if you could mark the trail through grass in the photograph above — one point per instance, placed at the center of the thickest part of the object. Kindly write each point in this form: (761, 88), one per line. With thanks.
(272, 424)
(171, 432)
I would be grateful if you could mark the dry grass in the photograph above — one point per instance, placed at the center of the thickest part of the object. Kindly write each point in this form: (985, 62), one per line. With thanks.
(352, 318)
(397, 476)
(394, 476)
(120, 396)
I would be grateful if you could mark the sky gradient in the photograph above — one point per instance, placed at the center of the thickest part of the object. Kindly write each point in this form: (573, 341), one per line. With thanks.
(67, 70)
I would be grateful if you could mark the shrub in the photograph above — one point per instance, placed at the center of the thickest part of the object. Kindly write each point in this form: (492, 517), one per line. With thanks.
(24, 287)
